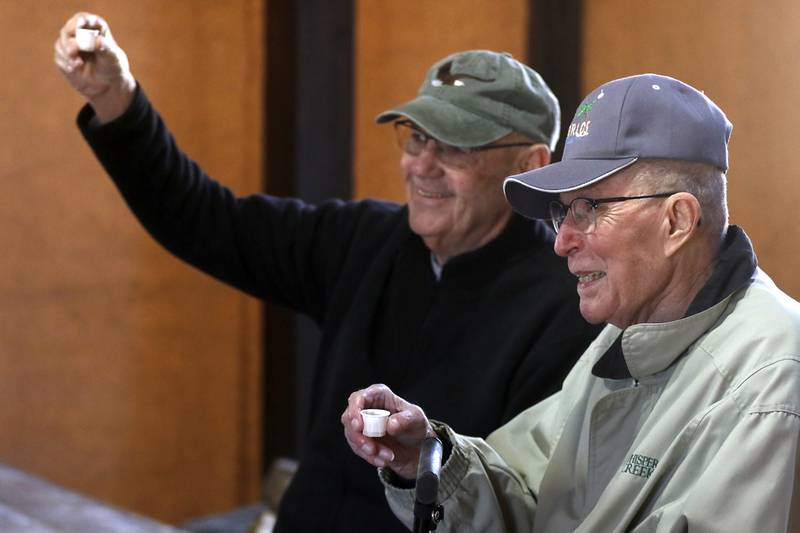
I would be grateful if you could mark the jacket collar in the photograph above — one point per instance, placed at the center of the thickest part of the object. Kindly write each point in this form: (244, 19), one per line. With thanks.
(645, 349)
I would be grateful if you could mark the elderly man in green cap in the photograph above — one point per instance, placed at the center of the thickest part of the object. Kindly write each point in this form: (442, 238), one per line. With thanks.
(451, 299)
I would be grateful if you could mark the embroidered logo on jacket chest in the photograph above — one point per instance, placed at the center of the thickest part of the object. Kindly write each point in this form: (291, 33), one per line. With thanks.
(640, 465)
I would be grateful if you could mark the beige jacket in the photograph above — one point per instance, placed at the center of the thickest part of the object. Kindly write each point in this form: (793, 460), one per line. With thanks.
(703, 438)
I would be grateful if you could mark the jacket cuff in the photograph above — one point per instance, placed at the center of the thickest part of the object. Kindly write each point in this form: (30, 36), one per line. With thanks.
(456, 462)
(455, 465)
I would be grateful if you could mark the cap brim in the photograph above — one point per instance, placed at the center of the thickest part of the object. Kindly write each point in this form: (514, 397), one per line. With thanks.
(447, 122)
(530, 193)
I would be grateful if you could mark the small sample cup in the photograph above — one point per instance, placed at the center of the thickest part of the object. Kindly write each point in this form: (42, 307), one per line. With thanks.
(86, 38)
(374, 422)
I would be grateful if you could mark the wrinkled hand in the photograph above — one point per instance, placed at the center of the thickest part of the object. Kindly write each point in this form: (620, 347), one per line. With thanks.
(406, 429)
(102, 76)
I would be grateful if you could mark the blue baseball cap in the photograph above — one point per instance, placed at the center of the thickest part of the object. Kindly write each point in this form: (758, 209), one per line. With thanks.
(647, 116)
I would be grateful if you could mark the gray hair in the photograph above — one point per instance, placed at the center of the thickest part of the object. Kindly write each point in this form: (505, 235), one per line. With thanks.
(703, 181)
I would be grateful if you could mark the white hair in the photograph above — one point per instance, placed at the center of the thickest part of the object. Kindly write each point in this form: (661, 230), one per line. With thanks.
(703, 181)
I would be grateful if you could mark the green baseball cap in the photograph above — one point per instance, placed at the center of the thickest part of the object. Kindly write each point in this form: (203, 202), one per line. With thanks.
(475, 97)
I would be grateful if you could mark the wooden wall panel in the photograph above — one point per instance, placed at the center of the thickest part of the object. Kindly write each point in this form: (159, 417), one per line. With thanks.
(124, 373)
(396, 42)
(742, 54)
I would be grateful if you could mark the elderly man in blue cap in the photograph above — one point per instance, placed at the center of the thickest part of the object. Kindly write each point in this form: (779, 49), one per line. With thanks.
(684, 414)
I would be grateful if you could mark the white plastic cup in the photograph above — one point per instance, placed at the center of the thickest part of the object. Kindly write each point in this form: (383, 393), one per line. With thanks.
(86, 38)
(374, 422)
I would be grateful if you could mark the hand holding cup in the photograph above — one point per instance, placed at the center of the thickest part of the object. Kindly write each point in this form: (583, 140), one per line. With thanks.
(91, 61)
(398, 445)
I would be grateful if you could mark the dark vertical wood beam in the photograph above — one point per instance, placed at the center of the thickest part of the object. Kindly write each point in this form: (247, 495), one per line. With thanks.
(323, 146)
(279, 146)
(555, 52)
(324, 99)
(309, 131)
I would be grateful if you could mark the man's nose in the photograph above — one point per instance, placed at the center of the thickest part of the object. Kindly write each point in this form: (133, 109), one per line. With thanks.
(426, 163)
(568, 238)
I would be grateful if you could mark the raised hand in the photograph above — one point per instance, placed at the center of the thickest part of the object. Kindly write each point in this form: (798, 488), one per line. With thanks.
(102, 76)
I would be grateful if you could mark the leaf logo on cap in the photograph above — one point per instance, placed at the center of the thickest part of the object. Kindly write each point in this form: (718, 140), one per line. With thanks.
(581, 129)
(584, 108)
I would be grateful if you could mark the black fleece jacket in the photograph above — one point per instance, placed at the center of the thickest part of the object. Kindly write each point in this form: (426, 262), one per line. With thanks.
(493, 336)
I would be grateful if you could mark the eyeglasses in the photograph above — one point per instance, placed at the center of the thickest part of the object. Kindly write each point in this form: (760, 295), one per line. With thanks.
(413, 141)
(583, 209)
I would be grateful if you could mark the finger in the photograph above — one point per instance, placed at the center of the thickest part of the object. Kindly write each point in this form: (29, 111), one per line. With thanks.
(384, 454)
(102, 25)
(358, 446)
(403, 422)
(64, 38)
(373, 451)
(351, 419)
(62, 64)
(66, 41)
(101, 45)
(410, 422)
(357, 400)
(351, 416)
(68, 29)
(78, 20)
(356, 422)
(368, 449)
(378, 395)
(67, 65)
(67, 53)
(354, 439)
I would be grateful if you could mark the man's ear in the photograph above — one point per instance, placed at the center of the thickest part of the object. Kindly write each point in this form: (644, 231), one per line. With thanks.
(682, 220)
(534, 156)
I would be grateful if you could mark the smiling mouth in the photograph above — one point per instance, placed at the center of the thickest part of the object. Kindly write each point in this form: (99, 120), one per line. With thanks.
(586, 278)
(432, 194)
